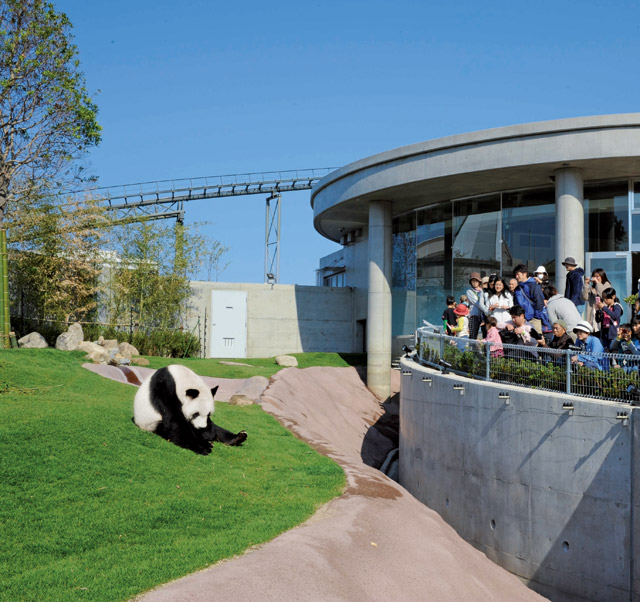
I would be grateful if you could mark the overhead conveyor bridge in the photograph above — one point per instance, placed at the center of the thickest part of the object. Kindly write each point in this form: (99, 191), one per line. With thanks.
(165, 199)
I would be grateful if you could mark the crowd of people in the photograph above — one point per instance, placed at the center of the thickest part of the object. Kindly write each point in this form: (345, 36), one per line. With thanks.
(528, 310)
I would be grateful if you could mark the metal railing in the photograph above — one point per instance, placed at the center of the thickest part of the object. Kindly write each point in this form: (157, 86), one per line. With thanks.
(609, 376)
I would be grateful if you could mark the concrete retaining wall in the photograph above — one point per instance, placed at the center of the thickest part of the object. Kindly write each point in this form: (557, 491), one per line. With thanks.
(549, 494)
(288, 318)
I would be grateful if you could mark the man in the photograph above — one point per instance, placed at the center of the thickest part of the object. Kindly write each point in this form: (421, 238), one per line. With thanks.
(525, 331)
(529, 296)
(513, 285)
(575, 282)
(561, 308)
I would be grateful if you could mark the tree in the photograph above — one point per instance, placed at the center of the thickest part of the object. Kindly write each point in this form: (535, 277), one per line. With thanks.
(149, 279)
(56, 257)
(46, 115)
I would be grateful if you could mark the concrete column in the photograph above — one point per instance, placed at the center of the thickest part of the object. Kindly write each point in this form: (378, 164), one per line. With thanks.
(379, 300)
(569, 220)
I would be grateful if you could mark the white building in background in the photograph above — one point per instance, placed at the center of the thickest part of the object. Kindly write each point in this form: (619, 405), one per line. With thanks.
(414, 221)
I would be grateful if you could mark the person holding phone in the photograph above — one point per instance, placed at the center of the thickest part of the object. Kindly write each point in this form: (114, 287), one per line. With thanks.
(592, 294)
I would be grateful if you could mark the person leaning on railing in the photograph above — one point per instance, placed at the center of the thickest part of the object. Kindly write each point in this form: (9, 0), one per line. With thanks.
(561, 339)
(591, 345)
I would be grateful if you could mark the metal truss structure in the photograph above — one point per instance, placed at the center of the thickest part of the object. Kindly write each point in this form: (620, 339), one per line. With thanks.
(165, 199)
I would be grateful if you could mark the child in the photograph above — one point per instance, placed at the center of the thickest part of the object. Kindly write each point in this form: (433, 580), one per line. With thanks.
(461, 330)
(449, 317)
(608, 316)
(494, 337)
(464, 300)
(624, 345)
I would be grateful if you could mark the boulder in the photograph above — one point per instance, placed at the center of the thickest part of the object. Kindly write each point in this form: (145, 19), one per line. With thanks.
(98, 357)
(110, 343)
(287, 360)
(140, 361)
(69, 341)
(90, 347)
(34, 340)
(240, 400)
(128, 350)
(117, 359)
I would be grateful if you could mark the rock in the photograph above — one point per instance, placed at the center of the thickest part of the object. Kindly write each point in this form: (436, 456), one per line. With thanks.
(110, 343)
(140, 361)
(98, 357)
(240, 400)
(90, 347)
(128, 350)
(287, 360)
(34, 340)
(253, 387)
(117, 359)
(100, 340)
(69, 341)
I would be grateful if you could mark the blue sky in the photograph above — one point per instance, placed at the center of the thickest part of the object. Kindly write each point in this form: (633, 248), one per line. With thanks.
(203, 88)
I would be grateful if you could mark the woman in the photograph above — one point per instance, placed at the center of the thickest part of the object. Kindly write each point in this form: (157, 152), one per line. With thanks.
(560, 340)
(499, 303)
(592, 294)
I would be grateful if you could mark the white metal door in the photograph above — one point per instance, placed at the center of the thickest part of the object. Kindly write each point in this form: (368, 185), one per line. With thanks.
(228, 324)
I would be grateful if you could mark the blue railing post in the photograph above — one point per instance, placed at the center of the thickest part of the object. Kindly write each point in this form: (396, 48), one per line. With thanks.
(441, 346)
(568, 362)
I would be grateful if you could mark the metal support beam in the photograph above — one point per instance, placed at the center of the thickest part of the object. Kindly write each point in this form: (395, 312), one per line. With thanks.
(272, 240)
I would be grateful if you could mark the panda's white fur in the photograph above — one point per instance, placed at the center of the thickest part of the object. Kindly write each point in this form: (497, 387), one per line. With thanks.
(196, 410)
(175, 403)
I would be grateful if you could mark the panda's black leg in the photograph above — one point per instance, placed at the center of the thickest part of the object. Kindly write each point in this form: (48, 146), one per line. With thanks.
(182, 434)
(217, 433)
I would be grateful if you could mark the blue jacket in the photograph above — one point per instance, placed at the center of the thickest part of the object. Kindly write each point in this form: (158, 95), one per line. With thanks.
(575, 283)
(528, 295)
(592, 345)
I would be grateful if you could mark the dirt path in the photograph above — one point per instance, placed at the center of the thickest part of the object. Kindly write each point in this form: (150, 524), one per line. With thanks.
(376, 542)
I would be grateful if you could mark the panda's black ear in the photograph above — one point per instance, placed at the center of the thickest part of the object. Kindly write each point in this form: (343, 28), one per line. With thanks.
(192, 393)
(214, 390)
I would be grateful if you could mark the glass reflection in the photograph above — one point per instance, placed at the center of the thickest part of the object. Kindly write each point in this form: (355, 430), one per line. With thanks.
(529, 231)
(606, 217)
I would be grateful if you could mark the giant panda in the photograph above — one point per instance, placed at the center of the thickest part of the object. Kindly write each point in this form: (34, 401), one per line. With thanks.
(175, 403)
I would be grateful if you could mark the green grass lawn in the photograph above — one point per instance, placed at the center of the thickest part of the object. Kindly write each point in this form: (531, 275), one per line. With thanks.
(260, 366)
(93, 508)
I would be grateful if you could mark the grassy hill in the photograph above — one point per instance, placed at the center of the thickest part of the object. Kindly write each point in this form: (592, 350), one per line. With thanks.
(93, 508)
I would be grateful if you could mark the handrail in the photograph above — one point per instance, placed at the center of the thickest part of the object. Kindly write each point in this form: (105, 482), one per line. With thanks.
(611, 376)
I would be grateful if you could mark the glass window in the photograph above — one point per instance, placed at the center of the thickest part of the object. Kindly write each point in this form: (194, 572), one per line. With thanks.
(404, 253)
(335, 280)
(636, 197)
(476, 239)
(606, 217)
(433, 262)
(529, 231)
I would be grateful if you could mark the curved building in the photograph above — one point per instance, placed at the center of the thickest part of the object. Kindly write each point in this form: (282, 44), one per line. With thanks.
(414, 221)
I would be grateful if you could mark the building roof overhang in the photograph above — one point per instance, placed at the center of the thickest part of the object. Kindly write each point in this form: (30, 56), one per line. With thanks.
(508, 158)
